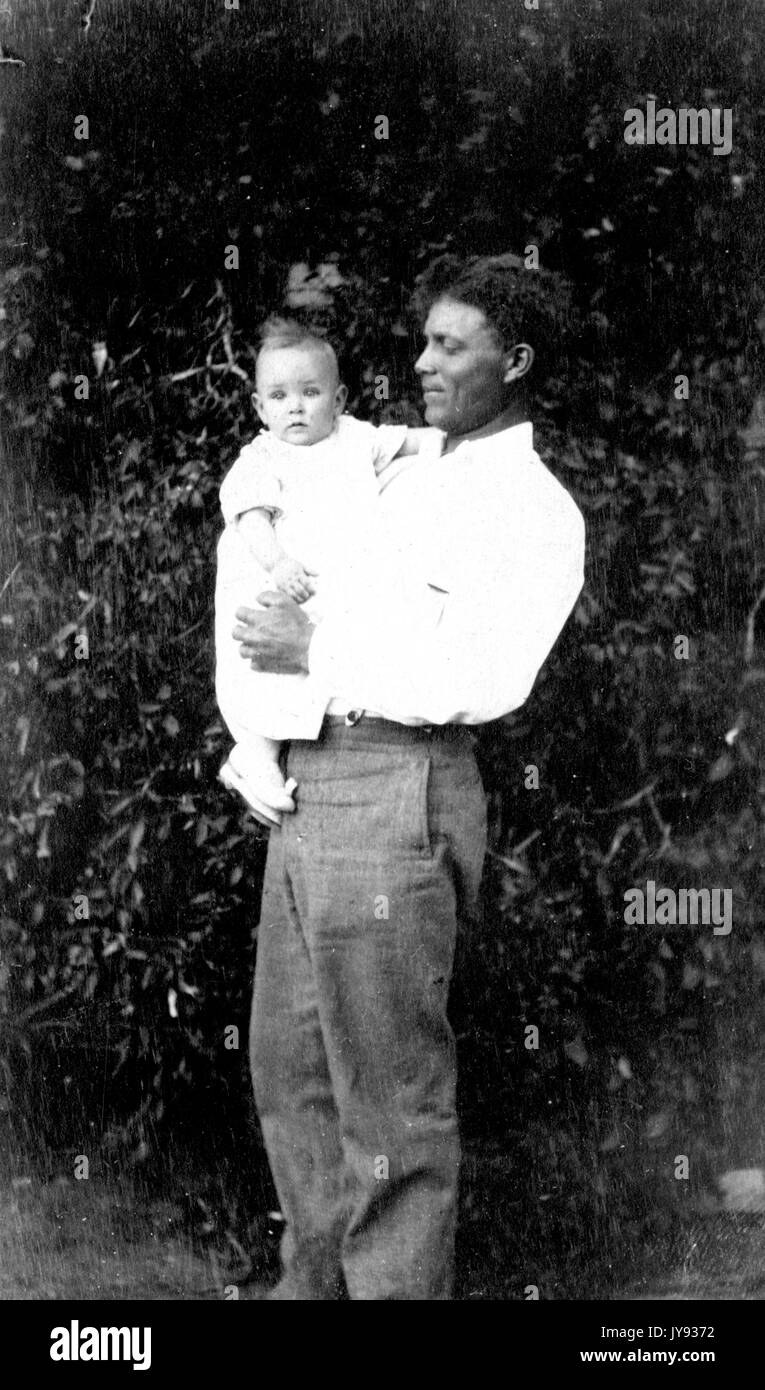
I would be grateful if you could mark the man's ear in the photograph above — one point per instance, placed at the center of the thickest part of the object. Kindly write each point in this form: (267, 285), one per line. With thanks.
(341, 396)
(518, 360)
(255, 398)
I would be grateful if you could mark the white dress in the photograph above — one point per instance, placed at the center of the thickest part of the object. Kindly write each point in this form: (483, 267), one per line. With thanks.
(324, 501)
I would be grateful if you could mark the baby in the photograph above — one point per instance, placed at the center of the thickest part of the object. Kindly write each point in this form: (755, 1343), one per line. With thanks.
(300, 507)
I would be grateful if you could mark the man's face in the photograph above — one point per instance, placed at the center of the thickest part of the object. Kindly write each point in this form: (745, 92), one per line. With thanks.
(298, 396)
(462, 368)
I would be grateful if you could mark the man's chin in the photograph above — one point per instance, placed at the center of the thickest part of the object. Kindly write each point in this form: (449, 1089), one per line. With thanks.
(434, 414)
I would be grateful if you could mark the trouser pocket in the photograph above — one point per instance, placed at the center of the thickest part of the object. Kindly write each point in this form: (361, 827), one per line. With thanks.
(362, 803)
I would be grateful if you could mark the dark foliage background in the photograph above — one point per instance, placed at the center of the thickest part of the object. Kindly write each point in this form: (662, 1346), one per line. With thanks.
(256, 128)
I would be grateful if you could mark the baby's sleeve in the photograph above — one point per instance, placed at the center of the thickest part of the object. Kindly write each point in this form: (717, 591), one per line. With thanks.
(252, 481)
(387, 441)
(389, 462)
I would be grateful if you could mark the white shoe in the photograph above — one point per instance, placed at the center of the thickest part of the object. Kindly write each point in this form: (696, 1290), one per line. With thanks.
(263, 775)
(261, 809)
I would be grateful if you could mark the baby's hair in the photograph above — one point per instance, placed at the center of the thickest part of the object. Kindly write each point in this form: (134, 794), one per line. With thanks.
(279, 332)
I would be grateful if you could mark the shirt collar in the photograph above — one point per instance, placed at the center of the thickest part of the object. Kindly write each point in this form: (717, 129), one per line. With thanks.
(517, 438)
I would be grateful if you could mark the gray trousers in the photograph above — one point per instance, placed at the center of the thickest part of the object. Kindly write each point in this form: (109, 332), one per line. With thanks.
(353, 1059)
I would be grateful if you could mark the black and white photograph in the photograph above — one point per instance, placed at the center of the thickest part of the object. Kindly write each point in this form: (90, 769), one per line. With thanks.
(382, 661)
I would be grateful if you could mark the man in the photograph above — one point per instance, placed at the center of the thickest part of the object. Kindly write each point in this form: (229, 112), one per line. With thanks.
(353, 1059)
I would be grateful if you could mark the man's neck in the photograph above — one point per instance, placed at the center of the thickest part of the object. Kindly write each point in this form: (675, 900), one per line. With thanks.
(514, 415)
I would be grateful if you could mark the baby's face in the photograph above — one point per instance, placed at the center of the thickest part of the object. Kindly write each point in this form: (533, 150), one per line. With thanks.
(298, 395)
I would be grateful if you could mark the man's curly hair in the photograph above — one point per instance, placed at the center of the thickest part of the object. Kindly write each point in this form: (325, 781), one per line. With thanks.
(522, 305)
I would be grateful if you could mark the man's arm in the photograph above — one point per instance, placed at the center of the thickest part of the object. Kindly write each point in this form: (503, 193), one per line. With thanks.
(276, 639)
(469, 656)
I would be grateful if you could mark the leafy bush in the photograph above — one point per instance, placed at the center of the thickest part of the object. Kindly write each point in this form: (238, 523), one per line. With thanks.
(127, 870)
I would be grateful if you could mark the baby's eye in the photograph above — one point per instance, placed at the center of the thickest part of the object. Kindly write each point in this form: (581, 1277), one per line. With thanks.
(312, 391)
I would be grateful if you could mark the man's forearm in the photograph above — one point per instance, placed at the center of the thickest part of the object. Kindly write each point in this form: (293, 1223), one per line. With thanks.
(276, 638)
(412, 653)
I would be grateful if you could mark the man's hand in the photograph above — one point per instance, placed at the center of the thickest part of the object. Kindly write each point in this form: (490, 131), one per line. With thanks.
(276, 640)
(291, 578)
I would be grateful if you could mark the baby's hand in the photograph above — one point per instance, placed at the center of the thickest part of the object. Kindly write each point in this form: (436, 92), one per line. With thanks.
(292, 579)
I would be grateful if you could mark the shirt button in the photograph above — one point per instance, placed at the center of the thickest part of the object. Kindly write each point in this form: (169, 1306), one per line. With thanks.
(352, 717)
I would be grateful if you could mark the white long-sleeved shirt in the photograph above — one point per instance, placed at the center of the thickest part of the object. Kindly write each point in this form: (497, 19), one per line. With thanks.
(484, 561)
